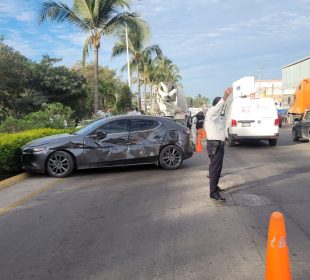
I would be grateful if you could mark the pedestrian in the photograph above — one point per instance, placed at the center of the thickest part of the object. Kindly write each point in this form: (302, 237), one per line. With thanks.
(199, 120)
(215, 126)
(133, 112)
(101, 114)
(197, 126)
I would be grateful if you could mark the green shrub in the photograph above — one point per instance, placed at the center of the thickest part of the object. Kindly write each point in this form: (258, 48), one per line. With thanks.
(10, 145)
(54, 115)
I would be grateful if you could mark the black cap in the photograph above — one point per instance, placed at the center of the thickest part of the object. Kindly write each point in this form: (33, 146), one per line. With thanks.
(216, 100)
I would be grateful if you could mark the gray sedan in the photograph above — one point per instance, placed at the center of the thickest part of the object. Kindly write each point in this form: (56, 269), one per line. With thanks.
(113, 141)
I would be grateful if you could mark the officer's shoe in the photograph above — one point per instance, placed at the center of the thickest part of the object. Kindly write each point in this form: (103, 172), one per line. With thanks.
(218, 198)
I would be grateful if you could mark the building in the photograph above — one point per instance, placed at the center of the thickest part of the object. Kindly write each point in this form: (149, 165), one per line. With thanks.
(293, 73)
(248, 86)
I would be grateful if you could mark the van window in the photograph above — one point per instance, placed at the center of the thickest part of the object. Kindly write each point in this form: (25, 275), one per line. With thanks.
(253, 108)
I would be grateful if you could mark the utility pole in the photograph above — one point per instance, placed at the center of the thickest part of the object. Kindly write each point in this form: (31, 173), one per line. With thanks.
(127, 48)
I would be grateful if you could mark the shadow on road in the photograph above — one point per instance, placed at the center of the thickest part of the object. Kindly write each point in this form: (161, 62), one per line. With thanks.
(293, 172)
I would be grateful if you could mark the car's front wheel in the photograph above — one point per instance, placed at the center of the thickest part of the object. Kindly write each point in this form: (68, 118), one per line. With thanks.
(171, 157)
(59, 164)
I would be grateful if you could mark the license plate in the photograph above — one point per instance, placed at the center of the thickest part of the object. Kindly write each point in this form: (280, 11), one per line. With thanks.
(246, 124)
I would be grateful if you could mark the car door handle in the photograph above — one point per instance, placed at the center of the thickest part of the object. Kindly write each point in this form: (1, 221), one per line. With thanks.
(121, 140)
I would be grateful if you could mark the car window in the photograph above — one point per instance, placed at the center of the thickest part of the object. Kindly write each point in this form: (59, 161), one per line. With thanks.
(118, 126)
(140, 125)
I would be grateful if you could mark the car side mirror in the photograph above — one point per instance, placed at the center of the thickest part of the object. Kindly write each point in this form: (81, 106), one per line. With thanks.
(101, 134)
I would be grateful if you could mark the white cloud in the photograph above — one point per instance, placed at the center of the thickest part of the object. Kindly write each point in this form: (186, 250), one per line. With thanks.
(17, 9)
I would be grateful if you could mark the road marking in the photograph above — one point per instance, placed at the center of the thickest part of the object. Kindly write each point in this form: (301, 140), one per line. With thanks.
(29, 197)
(13, 180)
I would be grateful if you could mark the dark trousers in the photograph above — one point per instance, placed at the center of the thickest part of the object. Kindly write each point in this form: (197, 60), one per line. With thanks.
(215, 151)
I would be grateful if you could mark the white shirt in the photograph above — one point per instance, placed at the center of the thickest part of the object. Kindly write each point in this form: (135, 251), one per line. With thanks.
(215, 123)
(134, 113)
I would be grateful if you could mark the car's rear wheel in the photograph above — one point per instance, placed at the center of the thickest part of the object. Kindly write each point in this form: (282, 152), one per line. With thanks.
(273, 142)
(59, 164)
(171, 157)
(231, 140)
(294, 135)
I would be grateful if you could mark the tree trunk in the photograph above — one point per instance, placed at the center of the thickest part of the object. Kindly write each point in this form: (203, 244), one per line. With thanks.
(139, 91)
(152, 98)
(96, 96)
(145, 107)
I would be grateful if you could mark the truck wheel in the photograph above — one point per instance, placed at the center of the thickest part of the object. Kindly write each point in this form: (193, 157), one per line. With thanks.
(273, 142)
(294, 135)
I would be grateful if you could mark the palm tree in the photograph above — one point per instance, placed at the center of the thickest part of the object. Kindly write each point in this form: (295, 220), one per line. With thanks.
(169, 71)
(136, 41)
(98, 18)
(147, 61)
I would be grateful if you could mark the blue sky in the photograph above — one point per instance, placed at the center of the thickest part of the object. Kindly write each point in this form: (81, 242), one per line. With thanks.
(214, 42)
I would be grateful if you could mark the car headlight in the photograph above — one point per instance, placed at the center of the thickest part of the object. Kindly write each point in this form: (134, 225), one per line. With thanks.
(34, 150)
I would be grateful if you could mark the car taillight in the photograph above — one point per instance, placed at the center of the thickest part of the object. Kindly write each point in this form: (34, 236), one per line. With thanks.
(233, 123)
(277, 122)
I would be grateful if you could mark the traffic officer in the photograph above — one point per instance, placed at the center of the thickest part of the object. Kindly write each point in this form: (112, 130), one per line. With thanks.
(215, 126)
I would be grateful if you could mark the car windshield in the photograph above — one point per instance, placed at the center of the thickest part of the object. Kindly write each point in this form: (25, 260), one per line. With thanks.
(89, 128)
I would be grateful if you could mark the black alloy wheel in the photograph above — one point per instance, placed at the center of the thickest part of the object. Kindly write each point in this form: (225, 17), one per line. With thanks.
(59, 164)
(171, 157)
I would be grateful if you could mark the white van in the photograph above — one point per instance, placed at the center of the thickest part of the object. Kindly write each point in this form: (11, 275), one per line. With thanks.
(248, 118)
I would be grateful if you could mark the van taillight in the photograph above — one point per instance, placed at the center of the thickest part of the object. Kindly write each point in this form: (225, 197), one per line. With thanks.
(277, 122)
(233, 123)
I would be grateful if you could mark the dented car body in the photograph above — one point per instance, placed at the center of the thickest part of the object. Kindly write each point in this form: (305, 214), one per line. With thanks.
(113, 141)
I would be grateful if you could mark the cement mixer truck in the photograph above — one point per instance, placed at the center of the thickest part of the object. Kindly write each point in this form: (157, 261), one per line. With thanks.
(171, 102)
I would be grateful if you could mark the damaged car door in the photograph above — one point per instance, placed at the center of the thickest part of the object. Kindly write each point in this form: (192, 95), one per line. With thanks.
(145, 138)
(108, 144)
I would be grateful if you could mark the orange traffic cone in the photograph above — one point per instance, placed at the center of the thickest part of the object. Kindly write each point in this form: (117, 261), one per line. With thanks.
(277, 259)
(198, 143)
(202, 133)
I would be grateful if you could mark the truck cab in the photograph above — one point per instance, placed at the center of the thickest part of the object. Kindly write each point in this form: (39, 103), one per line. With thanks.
(301, 101)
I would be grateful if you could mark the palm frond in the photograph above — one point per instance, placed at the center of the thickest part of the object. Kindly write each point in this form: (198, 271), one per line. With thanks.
(87, 45)
(119, 49)
(84, 8)
(61, 13)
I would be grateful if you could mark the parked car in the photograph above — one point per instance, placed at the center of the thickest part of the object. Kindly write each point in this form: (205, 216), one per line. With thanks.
(280, 120)
(301, 127)
(282, 114)
(248, 118)
(112, 141)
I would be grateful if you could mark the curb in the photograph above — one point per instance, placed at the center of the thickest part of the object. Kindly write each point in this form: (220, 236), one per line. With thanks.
(13, 180)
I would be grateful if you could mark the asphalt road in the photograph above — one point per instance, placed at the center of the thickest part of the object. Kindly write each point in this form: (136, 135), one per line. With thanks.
(148, 223)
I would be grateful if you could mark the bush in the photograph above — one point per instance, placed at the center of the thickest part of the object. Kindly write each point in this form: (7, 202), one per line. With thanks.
(53, 115)
(10, 145)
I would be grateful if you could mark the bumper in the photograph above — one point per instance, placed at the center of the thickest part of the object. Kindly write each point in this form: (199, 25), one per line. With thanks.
(33, 163)
(188, 155)
(261, 137)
